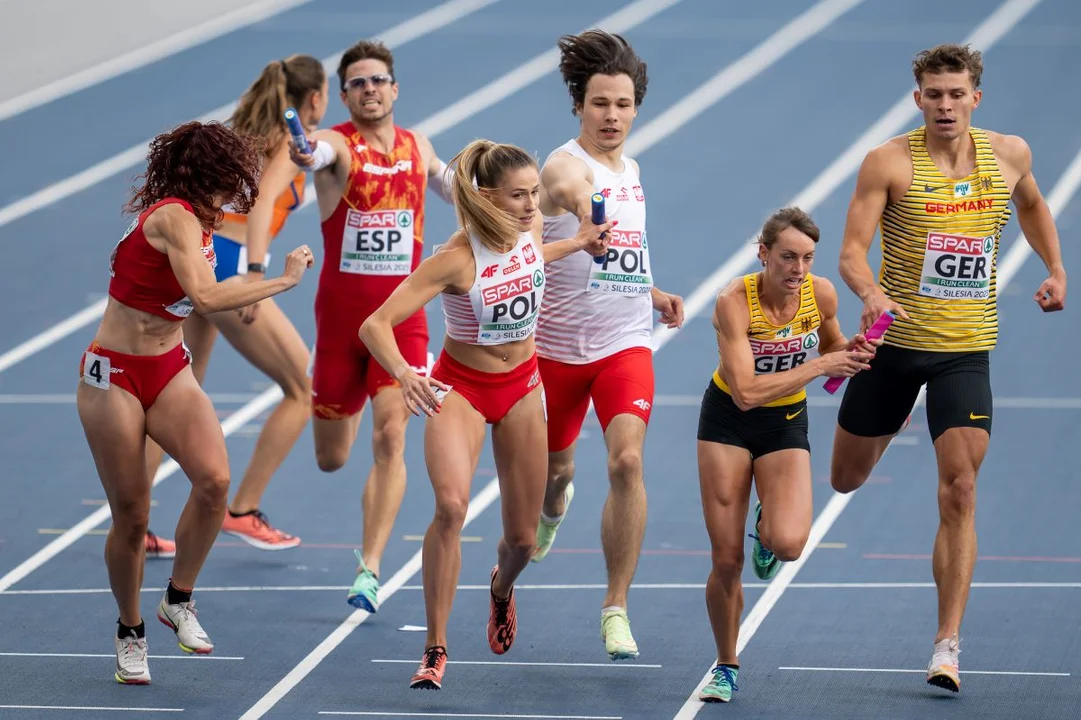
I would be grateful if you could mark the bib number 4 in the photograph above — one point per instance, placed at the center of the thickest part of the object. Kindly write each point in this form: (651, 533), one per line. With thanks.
(96, 370)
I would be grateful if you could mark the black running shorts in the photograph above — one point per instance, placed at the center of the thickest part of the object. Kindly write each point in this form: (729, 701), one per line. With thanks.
(760, 430)
(877, 401)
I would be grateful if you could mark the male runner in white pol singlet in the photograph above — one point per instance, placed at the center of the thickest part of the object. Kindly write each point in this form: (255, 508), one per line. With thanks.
(593, 335)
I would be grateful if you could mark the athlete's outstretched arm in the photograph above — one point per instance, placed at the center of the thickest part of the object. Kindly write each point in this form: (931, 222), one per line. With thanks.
(329, 153)
(864, 212)
(568, 183)
(181, 236)
(278, 174)
(1037, 223)
(452, 267)
(587, 238)
(731, 319)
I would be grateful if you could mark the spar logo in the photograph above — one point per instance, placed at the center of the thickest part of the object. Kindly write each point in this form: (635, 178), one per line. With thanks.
(626, 238)
(506, 290)
(959, 244)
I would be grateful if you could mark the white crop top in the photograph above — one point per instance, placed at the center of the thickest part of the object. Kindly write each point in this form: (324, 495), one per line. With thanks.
(503, 304)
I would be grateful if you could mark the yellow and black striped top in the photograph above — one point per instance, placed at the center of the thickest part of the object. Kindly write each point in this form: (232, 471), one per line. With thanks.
(777, 348)
(939, 249)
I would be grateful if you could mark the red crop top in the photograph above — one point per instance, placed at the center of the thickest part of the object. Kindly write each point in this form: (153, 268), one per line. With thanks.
(142, 277)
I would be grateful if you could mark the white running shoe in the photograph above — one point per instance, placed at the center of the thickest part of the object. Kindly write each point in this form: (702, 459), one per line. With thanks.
(132, 667)
(181, 618)
(944, 670)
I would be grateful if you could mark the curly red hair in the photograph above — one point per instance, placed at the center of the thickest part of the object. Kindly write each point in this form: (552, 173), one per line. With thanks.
(201, 163)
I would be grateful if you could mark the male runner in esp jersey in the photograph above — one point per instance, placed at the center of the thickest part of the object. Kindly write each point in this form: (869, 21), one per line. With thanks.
(370, 179)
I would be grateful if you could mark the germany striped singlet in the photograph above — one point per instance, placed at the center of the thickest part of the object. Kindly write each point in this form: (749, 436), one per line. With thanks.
(777, 348)
(939, 250)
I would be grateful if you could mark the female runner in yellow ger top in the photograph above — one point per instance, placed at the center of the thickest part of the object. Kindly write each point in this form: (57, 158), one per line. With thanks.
(753, 421)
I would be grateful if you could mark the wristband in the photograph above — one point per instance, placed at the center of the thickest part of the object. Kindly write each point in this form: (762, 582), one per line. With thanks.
(257, 268)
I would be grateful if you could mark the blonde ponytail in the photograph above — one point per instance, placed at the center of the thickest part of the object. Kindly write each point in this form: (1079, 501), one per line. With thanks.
(486, 163)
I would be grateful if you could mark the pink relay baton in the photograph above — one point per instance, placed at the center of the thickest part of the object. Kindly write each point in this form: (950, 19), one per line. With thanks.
(873, 333)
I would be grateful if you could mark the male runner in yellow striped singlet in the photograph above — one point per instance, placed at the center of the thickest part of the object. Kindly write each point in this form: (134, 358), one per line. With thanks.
(941, 194)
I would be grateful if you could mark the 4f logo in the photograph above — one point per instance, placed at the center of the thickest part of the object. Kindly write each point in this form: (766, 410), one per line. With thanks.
(489, 271)
(641, 403)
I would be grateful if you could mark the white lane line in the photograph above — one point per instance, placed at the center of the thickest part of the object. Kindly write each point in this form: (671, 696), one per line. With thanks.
(502, 716)
(140, 57)
(55, 334)
(411, 29)
(768, 52)
(1015, 403)
(585, 586)
(1022, 673)
(89, 708)
(69, 398)
(187, 658)
(1059, 198)
(987, 34)
(522, 663)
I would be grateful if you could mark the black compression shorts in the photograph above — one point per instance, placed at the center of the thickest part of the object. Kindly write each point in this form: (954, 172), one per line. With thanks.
(877, 401)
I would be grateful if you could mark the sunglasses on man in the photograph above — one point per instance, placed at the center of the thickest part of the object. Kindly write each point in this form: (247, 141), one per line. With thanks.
(360, 81)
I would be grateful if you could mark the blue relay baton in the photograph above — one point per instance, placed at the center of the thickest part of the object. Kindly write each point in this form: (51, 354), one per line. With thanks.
(598, 219)
(296, 130)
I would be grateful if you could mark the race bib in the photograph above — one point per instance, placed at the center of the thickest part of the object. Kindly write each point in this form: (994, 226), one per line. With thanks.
(378, 242)
(957, 267)
(509, 310)
(774, 356)
(181, 308)
(626, 267)
(96, 370)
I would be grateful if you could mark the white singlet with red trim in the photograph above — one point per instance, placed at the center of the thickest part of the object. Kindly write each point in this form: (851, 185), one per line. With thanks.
(593, 310)
(503, 304)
